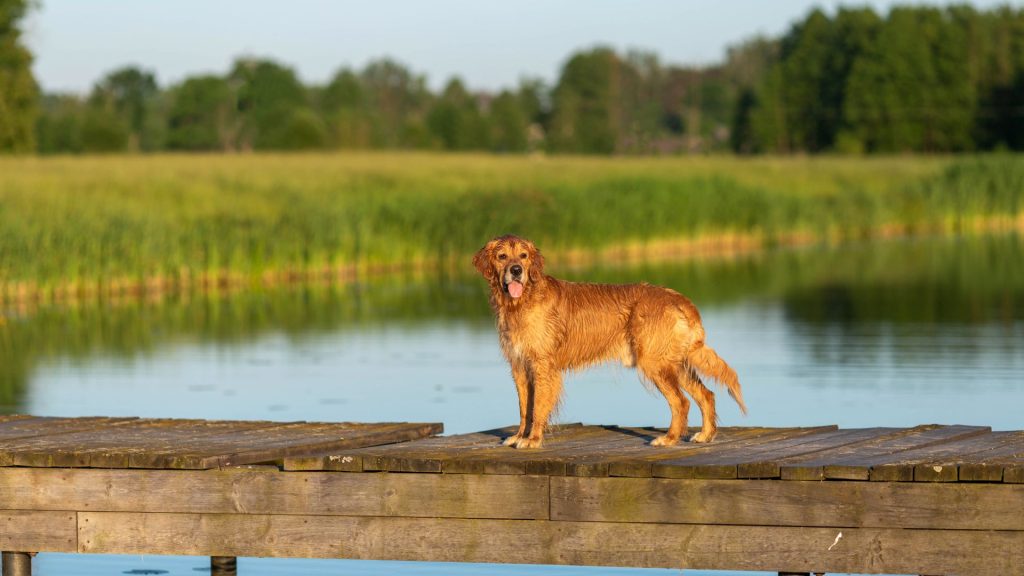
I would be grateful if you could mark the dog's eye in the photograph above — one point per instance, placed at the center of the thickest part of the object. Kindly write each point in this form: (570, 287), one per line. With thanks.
(502, 256)
(523, 256)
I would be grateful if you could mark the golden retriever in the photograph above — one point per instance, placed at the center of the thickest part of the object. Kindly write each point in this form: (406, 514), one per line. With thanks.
(547, 326)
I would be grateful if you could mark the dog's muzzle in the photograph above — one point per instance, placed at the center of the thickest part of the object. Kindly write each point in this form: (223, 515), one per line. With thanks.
(514, 281)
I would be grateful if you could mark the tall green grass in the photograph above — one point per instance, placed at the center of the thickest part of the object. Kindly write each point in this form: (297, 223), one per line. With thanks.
(112, 223)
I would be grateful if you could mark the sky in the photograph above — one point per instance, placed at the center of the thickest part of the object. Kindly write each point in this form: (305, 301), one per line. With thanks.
(489, 44)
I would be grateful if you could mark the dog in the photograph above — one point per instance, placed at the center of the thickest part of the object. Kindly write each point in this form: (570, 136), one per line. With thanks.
(547, 326)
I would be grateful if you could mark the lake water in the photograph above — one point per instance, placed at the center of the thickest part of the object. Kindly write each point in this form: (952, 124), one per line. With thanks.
(892, 334)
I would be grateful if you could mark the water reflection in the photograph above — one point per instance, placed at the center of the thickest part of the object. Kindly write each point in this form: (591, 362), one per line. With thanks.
(882, 334)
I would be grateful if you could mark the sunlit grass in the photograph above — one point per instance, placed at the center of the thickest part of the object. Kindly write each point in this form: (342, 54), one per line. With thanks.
(94, 224)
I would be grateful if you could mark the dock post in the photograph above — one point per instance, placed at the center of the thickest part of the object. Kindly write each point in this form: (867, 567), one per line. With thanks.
(17, 564)
(220, 566)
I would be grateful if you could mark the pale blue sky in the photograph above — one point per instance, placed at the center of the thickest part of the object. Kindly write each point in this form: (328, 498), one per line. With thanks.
(489, 44)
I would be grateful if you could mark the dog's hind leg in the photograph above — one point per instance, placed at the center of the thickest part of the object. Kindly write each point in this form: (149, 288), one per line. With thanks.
(522, 379)
(666, 378)
(705, 399)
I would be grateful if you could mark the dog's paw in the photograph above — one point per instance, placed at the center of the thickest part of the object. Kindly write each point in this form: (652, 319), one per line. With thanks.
(528, 443)
(511, 440)
(702, 438)
(665, 440)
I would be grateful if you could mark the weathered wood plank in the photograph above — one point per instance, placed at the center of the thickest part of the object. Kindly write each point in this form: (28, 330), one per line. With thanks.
(641, 465)
(630, 450)
(578, 543)
(38, 531)
(900, 466)
(766, 463)
(197, 444)
(857, 464)
(987, 464)
(112, 445)
(431, 455)
(720, 462)
(947, 462)
(821, 504)
(500, 459)
(418, 450)
(265, 490)
(1014, 474)
(261, 444)
(812, 466)
(326, 437)
(10, 417)
(23, 426)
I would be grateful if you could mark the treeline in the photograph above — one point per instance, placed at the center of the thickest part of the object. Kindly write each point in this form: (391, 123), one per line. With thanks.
(918, 79)
(921, 79)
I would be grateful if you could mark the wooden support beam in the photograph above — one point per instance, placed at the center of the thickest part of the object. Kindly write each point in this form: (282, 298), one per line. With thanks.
(266, 490)
(957, 506)
(755, 548)
(38, 531)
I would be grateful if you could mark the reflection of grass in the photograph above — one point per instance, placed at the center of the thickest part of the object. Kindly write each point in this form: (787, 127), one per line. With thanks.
(920, 281)
(94, 225)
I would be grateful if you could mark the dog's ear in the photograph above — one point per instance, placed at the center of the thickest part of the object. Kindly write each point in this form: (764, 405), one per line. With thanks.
(482, 261)
(536, 264)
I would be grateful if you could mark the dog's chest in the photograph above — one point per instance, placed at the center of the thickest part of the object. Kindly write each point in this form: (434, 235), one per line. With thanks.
(523, 334)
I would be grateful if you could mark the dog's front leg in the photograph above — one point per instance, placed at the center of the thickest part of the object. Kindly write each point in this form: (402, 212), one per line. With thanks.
(547, 387)
(521, 377)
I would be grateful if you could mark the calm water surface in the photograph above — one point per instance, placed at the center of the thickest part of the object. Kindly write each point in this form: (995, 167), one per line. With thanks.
(895, 334)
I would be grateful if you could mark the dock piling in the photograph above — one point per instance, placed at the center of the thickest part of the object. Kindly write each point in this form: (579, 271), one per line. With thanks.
(221, 566)
(17, 564)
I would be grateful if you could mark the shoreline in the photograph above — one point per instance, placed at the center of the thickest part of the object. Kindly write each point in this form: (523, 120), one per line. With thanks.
(726, 246)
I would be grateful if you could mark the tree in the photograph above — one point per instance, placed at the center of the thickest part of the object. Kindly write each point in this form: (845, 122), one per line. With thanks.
(509, 123)
(203, 115)
(398, 100)
(104, 132)
(912, 91)
(746, 67)
(345, 107)
(584, 117)
(59, 129)
(455, 120)
(269, 96)
(132, 95)
(18, 89)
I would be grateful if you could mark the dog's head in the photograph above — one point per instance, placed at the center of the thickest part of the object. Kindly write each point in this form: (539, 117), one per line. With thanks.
(512, 265)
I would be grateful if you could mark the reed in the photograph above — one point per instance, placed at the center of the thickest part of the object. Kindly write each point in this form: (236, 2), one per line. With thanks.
(84, 226)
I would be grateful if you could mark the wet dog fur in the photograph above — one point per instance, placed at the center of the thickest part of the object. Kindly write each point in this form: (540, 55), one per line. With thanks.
(547, 326)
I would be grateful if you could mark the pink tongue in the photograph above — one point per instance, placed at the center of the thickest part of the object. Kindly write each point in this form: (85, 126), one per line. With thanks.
(515, 289)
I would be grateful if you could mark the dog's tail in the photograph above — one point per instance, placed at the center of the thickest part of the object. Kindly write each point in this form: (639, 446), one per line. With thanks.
(708, 363)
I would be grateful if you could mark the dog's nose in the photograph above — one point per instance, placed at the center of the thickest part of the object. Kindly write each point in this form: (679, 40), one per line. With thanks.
(516, 270)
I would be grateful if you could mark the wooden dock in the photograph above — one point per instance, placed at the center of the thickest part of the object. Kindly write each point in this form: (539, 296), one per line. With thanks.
(924, 500)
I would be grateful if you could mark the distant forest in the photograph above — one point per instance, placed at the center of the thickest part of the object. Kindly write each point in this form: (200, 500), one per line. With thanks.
(918, 79)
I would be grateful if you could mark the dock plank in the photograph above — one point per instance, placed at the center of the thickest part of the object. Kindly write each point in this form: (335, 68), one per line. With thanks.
(21, 426)
(265, 490)
(988, 463)
(194, 444)
(721, 461)
(849, 462)
(38, 531)
(854, 463)
(427, 455)
(960, 506)
(640, 464)
(549, 542)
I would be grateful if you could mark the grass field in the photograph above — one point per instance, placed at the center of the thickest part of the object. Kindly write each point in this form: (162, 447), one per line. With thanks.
(80, 226)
